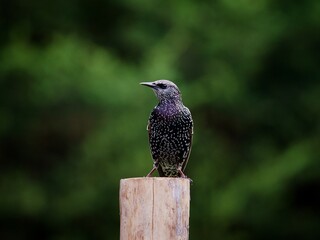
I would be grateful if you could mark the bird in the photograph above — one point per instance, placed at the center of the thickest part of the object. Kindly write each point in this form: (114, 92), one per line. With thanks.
(170, 130)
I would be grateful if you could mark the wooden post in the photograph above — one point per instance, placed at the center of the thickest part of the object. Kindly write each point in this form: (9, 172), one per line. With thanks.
(154, 208)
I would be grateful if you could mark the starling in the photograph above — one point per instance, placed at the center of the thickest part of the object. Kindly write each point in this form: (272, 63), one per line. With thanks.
(170, 129)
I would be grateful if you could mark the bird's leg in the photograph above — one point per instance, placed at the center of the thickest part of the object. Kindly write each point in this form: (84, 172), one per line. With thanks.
(152, 170)
(181, 173)
(155, 167)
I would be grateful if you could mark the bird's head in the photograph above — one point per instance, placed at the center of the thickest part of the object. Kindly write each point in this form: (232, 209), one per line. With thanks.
(165, 90)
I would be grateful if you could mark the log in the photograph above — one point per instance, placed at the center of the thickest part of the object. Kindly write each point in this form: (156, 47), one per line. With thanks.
(154, 208)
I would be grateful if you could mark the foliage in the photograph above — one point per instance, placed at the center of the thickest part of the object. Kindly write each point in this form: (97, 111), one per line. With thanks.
(73, 117)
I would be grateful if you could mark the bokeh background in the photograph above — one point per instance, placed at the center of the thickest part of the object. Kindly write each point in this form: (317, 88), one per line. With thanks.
(73, 116)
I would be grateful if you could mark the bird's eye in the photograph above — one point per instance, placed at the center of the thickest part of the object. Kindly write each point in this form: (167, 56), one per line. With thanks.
(162, 85)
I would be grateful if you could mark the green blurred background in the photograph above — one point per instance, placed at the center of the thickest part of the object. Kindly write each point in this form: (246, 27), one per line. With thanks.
(73, 116)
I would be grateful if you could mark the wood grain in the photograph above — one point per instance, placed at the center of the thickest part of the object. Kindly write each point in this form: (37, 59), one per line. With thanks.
(154, 208)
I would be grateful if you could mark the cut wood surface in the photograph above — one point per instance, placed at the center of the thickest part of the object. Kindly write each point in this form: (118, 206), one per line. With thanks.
(154, 208)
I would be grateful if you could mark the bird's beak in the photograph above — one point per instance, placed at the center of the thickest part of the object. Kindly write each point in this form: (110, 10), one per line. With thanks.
(148, 84)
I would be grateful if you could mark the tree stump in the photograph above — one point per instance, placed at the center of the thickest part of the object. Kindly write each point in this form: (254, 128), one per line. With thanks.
(154, 208)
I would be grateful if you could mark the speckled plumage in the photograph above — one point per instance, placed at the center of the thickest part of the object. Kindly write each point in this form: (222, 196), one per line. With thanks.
(170, 129)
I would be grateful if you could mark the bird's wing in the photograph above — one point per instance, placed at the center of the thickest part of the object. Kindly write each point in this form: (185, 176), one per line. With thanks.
(152, 115)
(148, 126)
(189, 136)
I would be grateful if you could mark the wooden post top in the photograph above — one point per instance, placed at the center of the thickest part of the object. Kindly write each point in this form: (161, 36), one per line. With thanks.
(154, 208)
